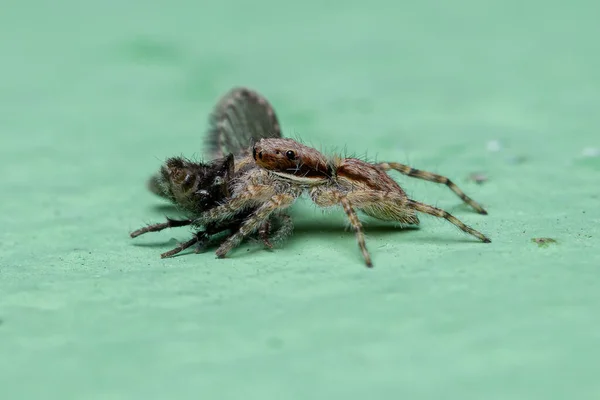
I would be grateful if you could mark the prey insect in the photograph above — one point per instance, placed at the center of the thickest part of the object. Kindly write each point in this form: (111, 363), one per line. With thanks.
(241, 117)
(287, 169)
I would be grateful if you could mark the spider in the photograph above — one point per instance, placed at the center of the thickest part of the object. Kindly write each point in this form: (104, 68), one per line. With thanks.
(287, 169)
(241, 117)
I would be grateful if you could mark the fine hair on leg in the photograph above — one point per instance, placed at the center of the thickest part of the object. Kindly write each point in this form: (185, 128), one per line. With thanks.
(431, 177)
(171, 223)
(438, 212)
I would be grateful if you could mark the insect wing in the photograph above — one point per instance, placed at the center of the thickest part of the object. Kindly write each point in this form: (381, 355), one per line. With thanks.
(240, 118)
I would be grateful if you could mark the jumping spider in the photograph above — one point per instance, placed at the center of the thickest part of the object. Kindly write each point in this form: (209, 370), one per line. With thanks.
(241, 117)
(286, 169)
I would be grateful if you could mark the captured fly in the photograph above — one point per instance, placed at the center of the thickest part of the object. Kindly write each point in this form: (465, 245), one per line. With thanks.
(240, 118)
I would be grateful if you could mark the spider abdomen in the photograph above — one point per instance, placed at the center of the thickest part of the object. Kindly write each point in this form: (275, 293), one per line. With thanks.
(367, 176)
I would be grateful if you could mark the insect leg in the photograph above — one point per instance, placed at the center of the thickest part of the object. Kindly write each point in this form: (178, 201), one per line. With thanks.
(200, 236)
(171, 223)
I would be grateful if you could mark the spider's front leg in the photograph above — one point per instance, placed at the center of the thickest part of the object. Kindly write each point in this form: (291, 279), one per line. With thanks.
(253, 197)
(391, 206)
(263, 233)
(255, 221)
(333, 197)
(438, 212)
(270, 237)
(286, 227)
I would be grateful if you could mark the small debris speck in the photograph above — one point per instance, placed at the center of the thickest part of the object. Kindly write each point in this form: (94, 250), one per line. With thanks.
(517, 159)
(590, 152)
(478, 178)
(494, 146)
(543, 242)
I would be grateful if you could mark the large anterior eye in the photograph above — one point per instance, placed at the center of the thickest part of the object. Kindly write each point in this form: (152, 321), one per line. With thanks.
(290, 155)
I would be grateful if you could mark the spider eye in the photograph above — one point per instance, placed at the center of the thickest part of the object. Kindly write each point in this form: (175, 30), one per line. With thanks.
(290, 155)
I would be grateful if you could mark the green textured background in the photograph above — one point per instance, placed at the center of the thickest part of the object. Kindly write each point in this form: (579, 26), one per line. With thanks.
(94, 95)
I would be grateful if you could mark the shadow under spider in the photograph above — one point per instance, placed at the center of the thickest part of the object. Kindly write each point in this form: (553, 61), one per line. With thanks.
(374, 228)
(165, 208)
(310, 228)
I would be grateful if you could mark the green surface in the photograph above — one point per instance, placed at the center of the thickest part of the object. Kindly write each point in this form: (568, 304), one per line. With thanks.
(94, 95)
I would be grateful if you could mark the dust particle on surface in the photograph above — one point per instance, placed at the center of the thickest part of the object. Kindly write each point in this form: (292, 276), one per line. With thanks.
(493, 146)
(543, 242)
(144, 50)
(590, 152)
(478, 177)
(517, 159)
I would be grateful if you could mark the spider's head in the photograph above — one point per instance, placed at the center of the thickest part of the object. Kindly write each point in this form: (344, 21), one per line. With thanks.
(292, 160)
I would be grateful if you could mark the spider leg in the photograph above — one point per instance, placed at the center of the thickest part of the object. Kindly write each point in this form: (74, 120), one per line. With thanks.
(431, 177)
(246, 199)
(285, 229)
(254, 221)
(438, 212)
(327, 198)
(263, 232)
(269, 238)
(355, 222)
(389, 206)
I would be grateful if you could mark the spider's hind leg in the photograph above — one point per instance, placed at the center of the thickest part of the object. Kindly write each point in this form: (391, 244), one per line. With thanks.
(431, 177)
(389, 206)
(438, 212)
(391, 211)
